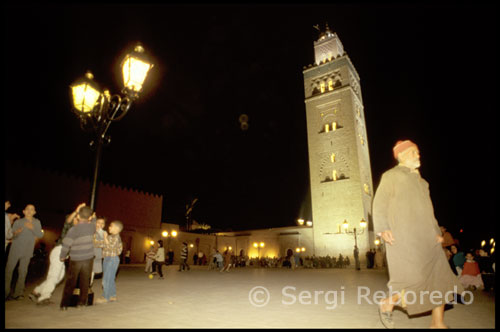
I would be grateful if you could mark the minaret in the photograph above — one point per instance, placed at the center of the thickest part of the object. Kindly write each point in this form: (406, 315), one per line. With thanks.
(339, 161)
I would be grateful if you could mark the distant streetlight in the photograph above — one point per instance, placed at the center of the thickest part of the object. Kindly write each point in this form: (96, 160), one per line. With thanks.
(483, 243)
(491, 241)
(377, 242)
(355, 232)
(297, 249)
(303, 249)
(300, 221)
(97, 110)
(258, 246)
(164, 234)
(309, 223)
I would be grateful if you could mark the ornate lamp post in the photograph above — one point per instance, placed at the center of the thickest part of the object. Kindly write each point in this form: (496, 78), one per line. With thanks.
(97, 110)
(345, 227)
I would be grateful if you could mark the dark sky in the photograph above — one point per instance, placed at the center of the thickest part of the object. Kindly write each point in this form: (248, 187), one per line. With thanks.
(427, 73)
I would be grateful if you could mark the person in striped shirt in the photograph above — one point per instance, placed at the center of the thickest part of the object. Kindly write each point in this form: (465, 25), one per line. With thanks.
(78, 245)
(111, 251)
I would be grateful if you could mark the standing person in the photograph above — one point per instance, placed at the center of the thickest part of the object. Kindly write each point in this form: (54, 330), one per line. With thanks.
(127, 256)
(150, 258)
(201, 258)
(403, 216)
(42, 293)
(447, 237)
(9, 219)
(184, 257)
(379, 259)
(24, 232)
(78, 244)
(458, 259)
(170, 256)
(356, 258)
(159, 259)
(227, 261)
(99, 235)
(111, 251)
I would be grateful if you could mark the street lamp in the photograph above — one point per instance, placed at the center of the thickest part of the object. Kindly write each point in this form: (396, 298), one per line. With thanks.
(258, 246)
(345, 226)
(97, 110)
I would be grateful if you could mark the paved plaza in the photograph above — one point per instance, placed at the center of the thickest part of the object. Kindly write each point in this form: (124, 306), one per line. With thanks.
(299, 298)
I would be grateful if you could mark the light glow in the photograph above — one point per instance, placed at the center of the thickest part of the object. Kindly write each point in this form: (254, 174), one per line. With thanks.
(135, 70)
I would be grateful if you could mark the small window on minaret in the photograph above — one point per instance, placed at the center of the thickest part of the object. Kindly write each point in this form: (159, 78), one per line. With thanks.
(334, 126)
(334, 175)
(322, 87)
(327, 127)
(367, 189)
(330, 85)
(332, 157)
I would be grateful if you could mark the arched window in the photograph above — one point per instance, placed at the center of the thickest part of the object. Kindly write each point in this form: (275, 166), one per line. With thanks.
(330, 85)
(322, 87)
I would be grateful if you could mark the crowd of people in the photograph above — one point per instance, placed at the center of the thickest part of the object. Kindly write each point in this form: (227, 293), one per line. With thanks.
(83, 250)
(474, 268)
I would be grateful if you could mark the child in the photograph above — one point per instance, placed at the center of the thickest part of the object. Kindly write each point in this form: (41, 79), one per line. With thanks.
(471, 276)
(79, 244)
(98, 245)
(111, 252)
(150, 257)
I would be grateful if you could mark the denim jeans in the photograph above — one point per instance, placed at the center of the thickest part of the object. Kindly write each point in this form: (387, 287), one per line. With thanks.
(109, 268)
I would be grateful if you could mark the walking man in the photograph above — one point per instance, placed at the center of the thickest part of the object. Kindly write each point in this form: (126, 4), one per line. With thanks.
(403, 216)
(24, 231)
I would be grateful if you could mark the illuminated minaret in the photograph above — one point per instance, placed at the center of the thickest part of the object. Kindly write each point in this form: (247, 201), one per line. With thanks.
(339, 161)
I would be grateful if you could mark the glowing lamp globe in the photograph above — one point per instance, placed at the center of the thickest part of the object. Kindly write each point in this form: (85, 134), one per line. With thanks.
(135, 68)
(345, 224)
(85, 94)
(363, 223)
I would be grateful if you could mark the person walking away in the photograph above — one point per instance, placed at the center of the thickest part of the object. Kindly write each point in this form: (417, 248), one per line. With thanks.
(78, 245)
(184, 257)
(150, 258)
(404, 218)
(111, 251)
(24, 233)
(159, 259)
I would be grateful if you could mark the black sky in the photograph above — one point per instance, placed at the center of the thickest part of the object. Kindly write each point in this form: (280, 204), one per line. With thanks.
(428, 73)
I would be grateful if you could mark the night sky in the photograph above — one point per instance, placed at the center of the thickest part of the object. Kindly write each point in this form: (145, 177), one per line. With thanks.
(427, 73)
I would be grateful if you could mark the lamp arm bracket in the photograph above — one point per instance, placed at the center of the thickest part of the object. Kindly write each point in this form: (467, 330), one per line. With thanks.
(118, 104)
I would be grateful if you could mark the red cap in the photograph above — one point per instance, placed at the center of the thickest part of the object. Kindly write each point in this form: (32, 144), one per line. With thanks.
(402, 146)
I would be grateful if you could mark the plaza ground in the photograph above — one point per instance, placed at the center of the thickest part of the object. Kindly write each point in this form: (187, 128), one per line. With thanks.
(202, 298)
